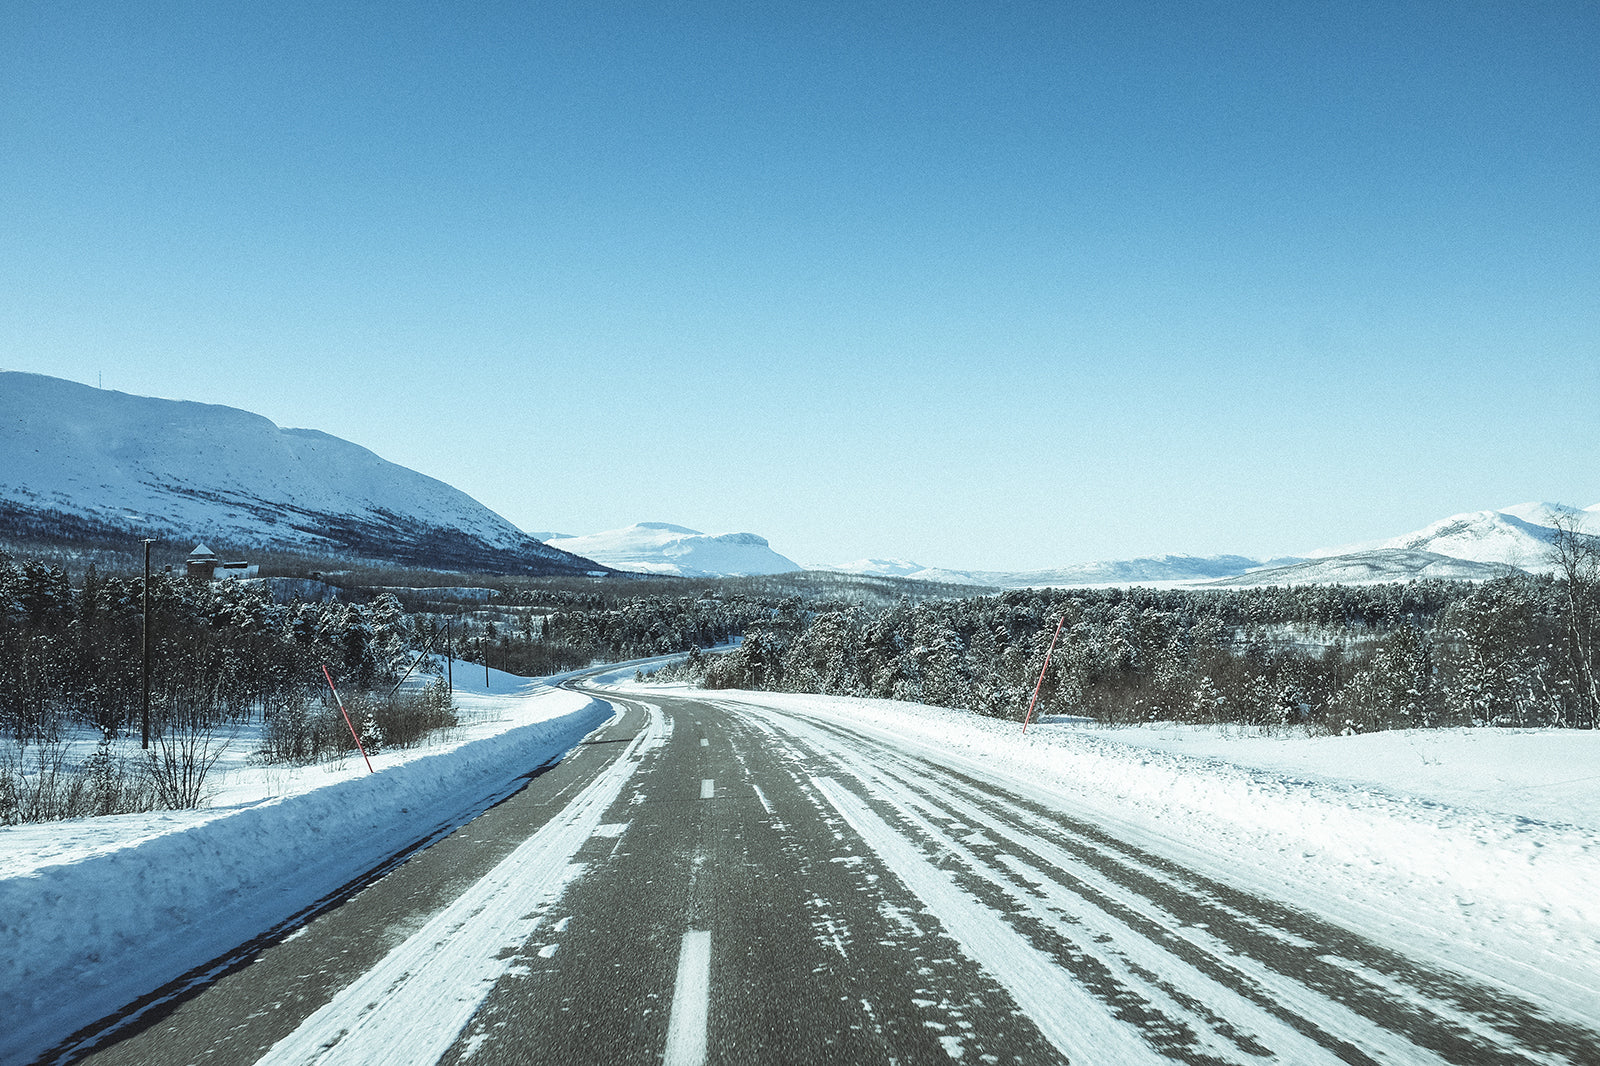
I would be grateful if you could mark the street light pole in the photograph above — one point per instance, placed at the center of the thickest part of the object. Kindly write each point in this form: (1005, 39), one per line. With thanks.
(144, 644)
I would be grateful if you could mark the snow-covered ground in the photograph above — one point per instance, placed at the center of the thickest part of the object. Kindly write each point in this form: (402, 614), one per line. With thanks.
(1478, 849)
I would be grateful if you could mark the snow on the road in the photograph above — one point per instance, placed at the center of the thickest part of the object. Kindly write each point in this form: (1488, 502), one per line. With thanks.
(1065, 1012)
(691, 1002)
(443, 972)
(98, 911)
(1477, 849)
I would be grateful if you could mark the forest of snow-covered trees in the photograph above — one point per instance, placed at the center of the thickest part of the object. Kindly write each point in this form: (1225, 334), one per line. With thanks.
(232, 654)
(221, 654)
(1519, 650)
(70, 643)
(1513, 651)
(218, 650)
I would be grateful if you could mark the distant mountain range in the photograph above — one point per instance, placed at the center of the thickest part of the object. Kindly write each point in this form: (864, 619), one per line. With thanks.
(1144, 570)
(1473, 546)
(660, 548)
(82, 462)
(1377, 567)
(101, 464)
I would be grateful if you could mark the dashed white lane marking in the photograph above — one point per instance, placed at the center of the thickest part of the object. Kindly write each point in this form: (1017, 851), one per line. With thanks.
(691, 1000)
(708, 788)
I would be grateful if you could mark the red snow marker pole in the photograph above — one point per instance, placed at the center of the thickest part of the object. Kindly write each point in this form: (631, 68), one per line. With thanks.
(1040, 683)
(347, 721)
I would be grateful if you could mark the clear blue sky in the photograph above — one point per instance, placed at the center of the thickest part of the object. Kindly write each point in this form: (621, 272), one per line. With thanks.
(997, 285)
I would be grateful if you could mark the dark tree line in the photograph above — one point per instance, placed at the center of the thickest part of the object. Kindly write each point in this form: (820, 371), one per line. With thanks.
(219, 651)
(1518, 650)
(1515, 650)
(579, 628)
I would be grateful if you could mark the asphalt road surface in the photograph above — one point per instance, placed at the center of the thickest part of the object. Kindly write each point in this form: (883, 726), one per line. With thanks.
(703, 881)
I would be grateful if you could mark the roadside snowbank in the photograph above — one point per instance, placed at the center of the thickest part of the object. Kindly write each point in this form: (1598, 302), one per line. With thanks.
(96, 912)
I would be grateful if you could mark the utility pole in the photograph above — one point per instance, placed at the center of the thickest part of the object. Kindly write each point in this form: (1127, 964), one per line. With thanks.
(144, 642)
(450, 655)
(483, 642)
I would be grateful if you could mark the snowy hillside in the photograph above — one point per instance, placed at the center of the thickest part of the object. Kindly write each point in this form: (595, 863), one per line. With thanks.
(1512, 536)
(1150, 569)
(114, 464)
(660, 548)
(1377, 567)
(1473, 546)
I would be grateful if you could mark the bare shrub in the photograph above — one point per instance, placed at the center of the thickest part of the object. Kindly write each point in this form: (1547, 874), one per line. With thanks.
(185, 750)
(404, 719)
(304, 731)
(56, 788)
(308, 732)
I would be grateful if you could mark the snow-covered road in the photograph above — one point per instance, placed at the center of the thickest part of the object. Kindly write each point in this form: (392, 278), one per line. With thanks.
(1106, 944)
(754, 877)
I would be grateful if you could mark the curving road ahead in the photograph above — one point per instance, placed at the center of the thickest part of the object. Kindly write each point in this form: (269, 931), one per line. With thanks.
(705, 880)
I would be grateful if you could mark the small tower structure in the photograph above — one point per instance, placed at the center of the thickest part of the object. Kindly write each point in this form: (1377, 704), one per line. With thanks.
(202, 563)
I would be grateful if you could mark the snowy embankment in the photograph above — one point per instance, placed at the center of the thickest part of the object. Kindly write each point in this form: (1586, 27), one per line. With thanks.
(99, 911)
(1476, 848)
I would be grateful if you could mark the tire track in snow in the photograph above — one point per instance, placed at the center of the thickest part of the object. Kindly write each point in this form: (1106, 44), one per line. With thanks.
(1067, 1015)
(1147, 919)
(413, 1005)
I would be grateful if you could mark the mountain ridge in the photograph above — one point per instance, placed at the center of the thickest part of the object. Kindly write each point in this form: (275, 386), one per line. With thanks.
(89, 462)
(665, 548)
(137, 465)
(1472, 545)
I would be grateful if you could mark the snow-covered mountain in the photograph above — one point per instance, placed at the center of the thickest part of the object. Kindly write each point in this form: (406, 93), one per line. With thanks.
(87, 462)
(1512, 536)
(877, 568)
(1149, 569)
(660, 548)
(108, 464)
(1473, 546)
(1377, 567)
